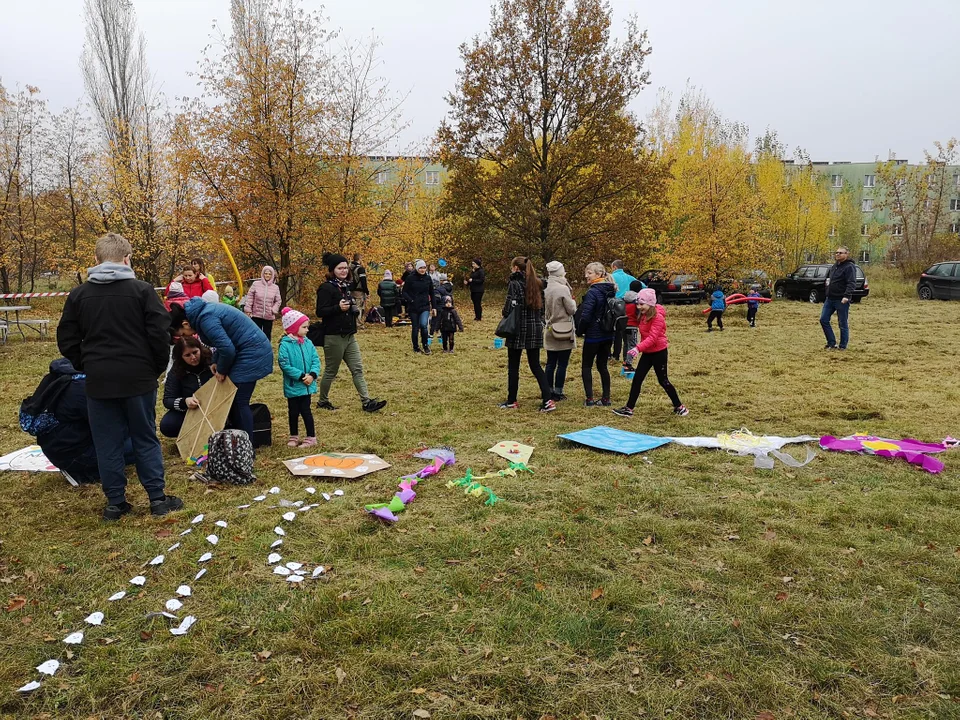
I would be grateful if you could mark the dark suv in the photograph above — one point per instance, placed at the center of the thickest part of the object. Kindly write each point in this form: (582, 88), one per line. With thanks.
(674, 288)
(808, 282)
(940, 282)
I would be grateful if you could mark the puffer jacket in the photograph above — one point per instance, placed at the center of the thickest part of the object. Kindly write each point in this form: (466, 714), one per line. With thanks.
(594, 304)
(263, 300)
(243, 352)
(297, 359)
(718, 301)
(389, 293)
(653, 332)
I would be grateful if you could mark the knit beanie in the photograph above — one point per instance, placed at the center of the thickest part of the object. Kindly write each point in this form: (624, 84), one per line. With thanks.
(419, 264)
(331, 260)
(292, 320)
(175, 287)
(443, 277)
(556, 269)
(637, 285)
(387, 275)
(228, 291)
(210, 296)
(629, 297)
(647, 296)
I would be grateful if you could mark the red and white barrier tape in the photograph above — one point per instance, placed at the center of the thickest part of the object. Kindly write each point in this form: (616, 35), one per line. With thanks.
(19, 296)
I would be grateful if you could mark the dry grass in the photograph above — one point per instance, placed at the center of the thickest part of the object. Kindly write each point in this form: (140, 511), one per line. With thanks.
(602, 585)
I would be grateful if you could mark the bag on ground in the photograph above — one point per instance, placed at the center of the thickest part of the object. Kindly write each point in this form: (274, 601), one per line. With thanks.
(230, 458)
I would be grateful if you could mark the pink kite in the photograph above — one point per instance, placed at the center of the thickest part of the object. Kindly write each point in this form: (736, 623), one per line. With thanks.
(907, 449)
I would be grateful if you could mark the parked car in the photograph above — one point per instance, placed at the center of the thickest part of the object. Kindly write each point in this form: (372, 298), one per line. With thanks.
(808, 282)
(754, 279)
(940, 282)
(674, 288)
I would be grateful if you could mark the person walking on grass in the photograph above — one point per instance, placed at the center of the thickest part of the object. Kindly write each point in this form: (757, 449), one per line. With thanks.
(419, 298)
(718, 303)
(300, 364)
(559, 338)
(115, 329)
(753, 303)
(337, 311)
(389, 295)
(475, 281)
(652, 350)
(263, 301)
(841, 282)
(596, 341)
(525, 297)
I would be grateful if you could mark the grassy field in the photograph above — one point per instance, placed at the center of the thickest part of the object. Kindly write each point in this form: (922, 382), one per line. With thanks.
(687, 585)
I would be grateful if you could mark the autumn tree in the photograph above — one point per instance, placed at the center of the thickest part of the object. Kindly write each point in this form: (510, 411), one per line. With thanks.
(544, 157)
(915, 197)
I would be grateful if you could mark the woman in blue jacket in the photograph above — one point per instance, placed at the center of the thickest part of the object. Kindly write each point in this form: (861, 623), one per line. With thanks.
(597, 342)
(243, 352)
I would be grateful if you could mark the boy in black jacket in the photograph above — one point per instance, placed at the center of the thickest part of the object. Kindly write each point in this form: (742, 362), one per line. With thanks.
(115, 329)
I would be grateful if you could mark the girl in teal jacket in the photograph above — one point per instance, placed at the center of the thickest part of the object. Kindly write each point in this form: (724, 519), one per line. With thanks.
(301, 367)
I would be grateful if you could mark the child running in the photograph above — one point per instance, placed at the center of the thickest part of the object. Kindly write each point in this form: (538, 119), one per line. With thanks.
(449, 321)
(652, 349)
(752, 305)
(301, 367)
(718, 303)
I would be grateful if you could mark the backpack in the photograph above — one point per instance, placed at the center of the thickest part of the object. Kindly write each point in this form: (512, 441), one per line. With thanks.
(614, 316)
(262, 425)
(374, 316)
(230, 458)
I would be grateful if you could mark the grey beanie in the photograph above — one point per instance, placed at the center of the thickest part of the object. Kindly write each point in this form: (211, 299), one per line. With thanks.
(556, 269)
(630, 297)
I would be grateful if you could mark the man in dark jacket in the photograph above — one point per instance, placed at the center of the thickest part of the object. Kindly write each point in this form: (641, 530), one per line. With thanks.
(115, 329)
(841, 282)
(359, 291)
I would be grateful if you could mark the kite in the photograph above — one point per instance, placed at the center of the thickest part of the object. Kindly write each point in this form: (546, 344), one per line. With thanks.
(913, 451)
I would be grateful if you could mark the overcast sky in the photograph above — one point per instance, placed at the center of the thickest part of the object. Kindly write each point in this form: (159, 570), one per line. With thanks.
(845, 79)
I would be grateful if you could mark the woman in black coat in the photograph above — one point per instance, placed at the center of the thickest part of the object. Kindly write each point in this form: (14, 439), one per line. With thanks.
(475, 281)
(191, 369)
(525, 297)
(418, 296)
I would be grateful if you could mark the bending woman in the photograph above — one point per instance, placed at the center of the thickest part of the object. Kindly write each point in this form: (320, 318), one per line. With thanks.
(191, 369)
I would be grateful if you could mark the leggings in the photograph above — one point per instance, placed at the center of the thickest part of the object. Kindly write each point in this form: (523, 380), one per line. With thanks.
(657, 361)
(599, 353)
(299, 407)
(477, 298)
(557, 361)
(448, 338)
(513, 373)
(265, 325)
(715, 315)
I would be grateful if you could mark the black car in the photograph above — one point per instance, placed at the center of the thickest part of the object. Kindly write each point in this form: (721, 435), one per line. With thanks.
(940, 282)
(674, 288)
(808, 282)
(754, 280)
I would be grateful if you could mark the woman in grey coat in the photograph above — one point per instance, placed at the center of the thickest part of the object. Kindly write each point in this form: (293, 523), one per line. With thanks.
(559, 338)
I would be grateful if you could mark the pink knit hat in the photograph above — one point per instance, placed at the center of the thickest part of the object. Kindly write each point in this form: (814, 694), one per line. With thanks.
(647, 296)
(292, 320)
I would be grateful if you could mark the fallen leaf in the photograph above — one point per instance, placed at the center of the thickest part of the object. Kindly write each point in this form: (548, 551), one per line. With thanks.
(341, 676)
(264, 655)
(635, 671)
(648, 540)
(769, 535)
(113, 556)
(418, 691)
(421, 713)
(163, 533)
(144, 635)
(765, 715)
(597, 594)
(419, 570)
(17, 602)
(134, 677)
(539, 586)
(787, 580)
(781, 596)
(259, 681)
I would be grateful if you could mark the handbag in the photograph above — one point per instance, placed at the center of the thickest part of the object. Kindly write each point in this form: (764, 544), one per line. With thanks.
(316, 333)
(507, 327)
(562, 330)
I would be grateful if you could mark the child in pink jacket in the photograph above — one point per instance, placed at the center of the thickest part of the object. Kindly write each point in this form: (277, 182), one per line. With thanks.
(652, 349)
(263, 301)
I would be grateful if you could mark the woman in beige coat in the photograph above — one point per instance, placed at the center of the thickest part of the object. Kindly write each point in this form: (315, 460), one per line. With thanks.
(559, 337)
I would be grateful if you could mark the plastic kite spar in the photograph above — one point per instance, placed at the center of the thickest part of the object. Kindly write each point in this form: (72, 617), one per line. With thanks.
(233, 265)
(739, 299)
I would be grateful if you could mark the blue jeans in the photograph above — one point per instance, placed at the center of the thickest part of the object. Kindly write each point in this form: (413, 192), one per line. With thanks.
(557, 361)
(111, 421)
(241, 416)
(842, 309)
(421, 321)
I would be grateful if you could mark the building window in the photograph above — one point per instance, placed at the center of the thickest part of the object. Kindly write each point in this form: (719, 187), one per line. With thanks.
(381, 177)
(869, 181)
(836, 180)
(867, 205)
(955, 228)
(863, 230)
(954, 204)
(864, 256)
(833, 233)
(893, 257)
(956, 180)
(927, 204)
(896, 230)
(834, 205)
(433, 177)
(897, 206)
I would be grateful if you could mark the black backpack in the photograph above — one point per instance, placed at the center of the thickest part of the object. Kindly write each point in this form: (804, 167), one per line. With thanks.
(614, 316)
(262, 425)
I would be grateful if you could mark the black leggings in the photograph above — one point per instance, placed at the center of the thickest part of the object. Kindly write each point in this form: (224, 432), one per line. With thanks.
(751, 315)
(513, 372)
(448, 339)
(299, 407)
(657, 361)
(477, 298)
(715, 315)
(599, 353)
(265, 325)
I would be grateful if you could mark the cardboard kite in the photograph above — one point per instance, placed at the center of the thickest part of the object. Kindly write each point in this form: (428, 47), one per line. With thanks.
(907, 449)
(202, 422)
(29, 459)
(339, 465)
(512, 451)
(621, 441)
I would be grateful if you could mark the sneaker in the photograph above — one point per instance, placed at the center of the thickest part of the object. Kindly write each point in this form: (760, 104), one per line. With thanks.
(115, 512)
(294, 441)
(841, 347)
(509, 405)
(325, 405)
(627, 367)
(589, 402)
(604, 402)
(426, 351)
(416, 349)
(709, 329)
(168, 504)
(681, 411)
(557, 397)
(308, 442)
(548, 406)
(624, 411)
(372, 405)
(829, 347)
